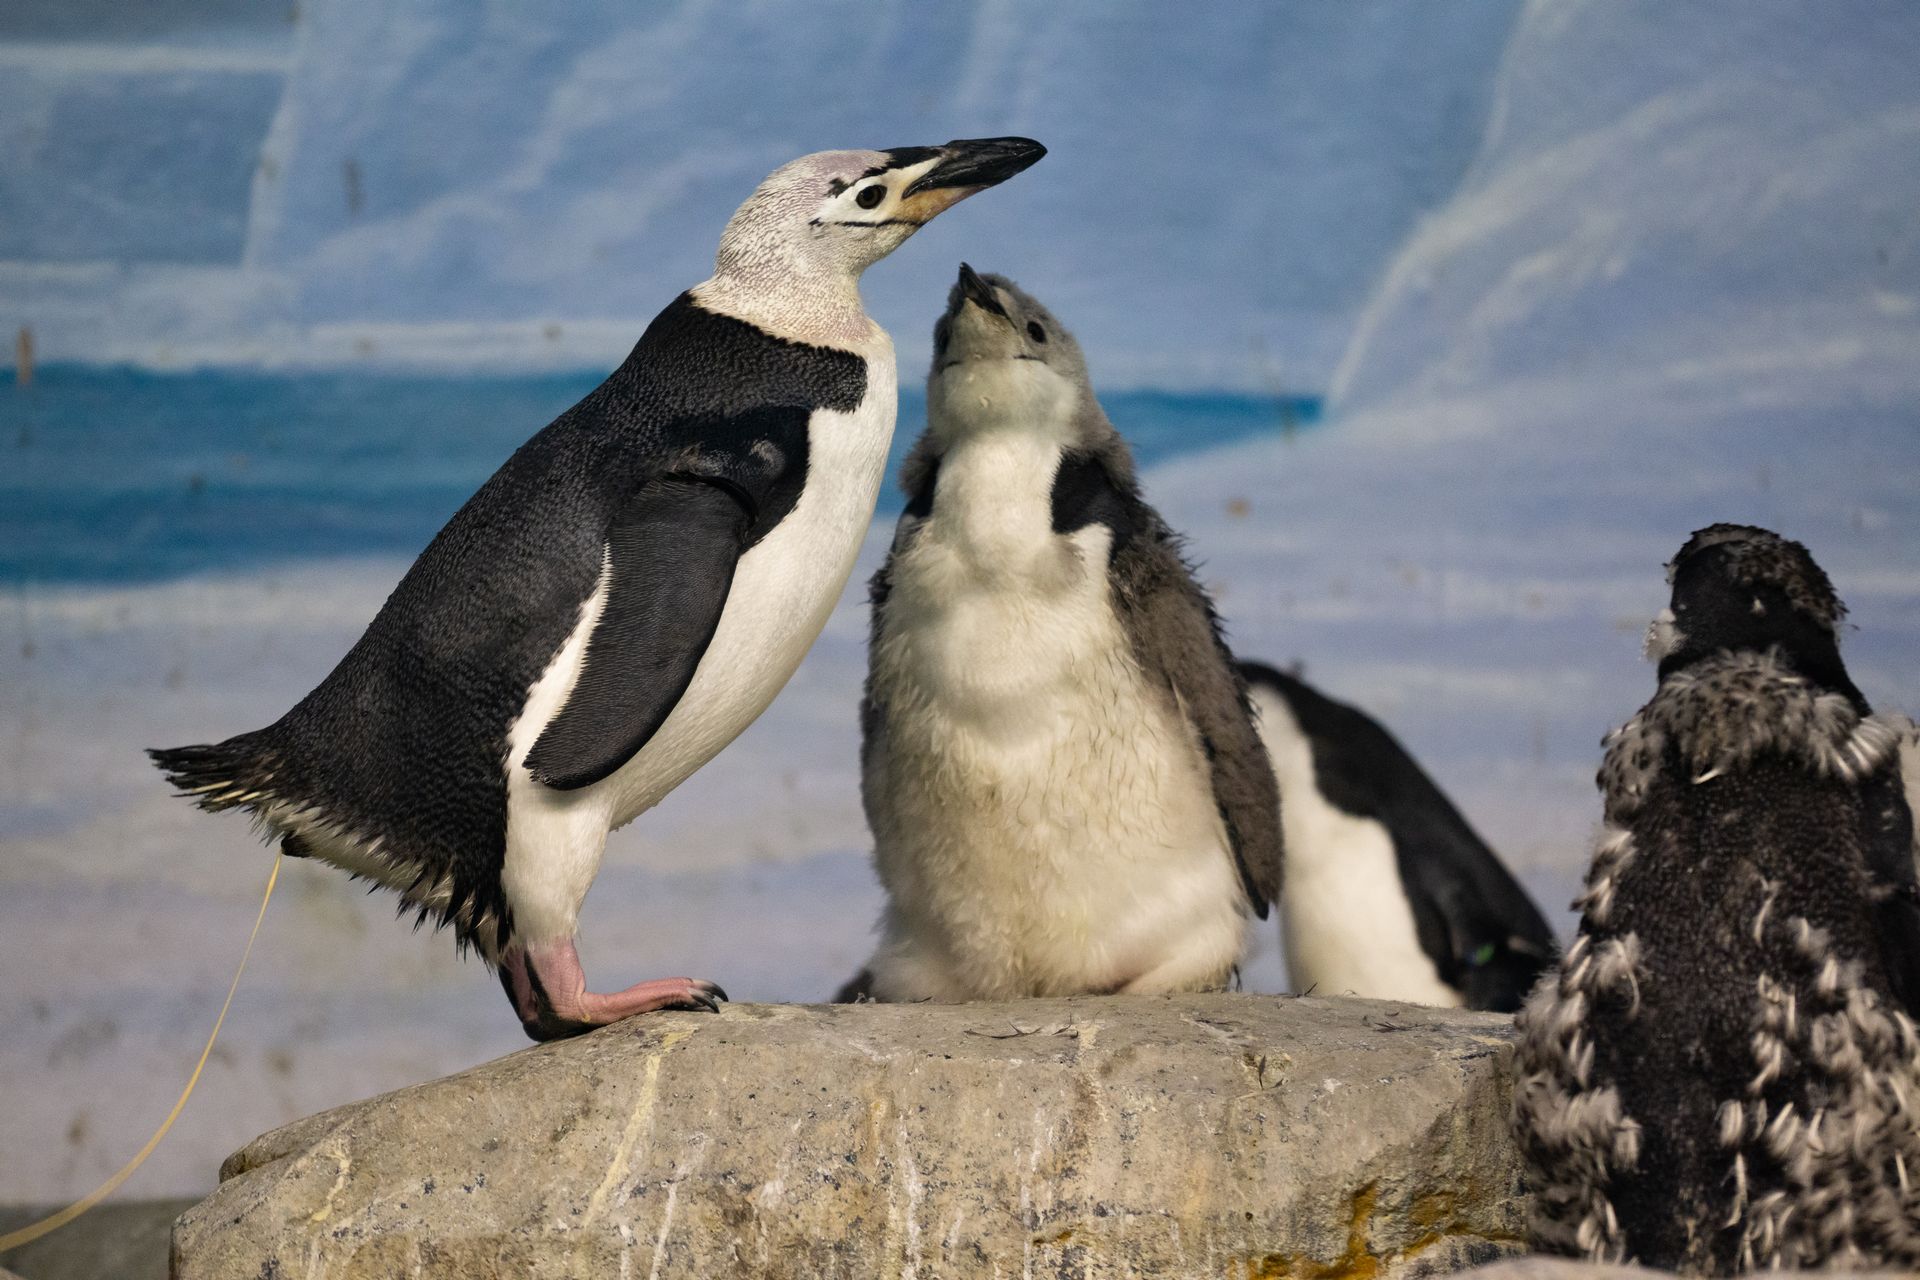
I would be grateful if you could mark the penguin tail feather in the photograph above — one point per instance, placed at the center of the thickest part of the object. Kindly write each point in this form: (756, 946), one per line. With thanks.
(222, 775)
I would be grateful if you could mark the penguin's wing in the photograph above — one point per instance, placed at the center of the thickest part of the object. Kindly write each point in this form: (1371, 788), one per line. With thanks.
(1484, 934)
(1175, 637)
(918, 471)
(671, 552)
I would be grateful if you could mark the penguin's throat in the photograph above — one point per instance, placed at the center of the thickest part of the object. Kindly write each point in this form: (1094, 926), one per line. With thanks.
(820, 308)
(984, 395)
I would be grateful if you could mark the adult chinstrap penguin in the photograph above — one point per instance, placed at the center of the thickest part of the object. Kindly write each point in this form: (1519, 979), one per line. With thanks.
(623, 597)
(1064, 784)
(1723, 1075)
(1391, 893)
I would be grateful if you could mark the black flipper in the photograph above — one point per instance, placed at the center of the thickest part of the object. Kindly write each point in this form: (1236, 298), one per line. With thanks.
(671, 556)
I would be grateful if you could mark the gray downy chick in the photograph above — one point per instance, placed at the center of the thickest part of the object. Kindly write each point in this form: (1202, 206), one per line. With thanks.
(1723, 1075)
(1065, 786)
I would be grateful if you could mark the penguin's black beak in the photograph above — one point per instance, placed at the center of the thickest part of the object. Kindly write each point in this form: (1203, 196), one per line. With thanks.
(965, 165)
(975, 163)
(975, 289)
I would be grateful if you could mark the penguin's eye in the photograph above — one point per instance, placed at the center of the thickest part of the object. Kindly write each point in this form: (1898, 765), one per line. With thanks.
(871, 196)
(1035, 332)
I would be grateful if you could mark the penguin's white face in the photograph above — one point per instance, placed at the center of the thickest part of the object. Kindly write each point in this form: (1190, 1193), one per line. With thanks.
(862, 218)
(836, 213)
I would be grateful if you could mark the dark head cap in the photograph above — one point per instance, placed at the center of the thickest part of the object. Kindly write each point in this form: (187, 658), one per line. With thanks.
(1741, 588)
(1758, 558)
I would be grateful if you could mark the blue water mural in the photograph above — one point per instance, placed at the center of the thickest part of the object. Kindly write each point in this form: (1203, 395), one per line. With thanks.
(118, 475)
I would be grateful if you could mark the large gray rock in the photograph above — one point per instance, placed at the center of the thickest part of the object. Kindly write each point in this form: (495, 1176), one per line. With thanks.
(1203, 1135)
(1538, 1267)
(1541, 1267)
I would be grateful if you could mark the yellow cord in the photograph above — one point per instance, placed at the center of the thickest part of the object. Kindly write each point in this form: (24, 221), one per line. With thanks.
(26, 1235)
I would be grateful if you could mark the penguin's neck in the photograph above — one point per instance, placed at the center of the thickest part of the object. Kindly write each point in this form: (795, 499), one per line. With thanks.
(821, 308)
(1004, 425)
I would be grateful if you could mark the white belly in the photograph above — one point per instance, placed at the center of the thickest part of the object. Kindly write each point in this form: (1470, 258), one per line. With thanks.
(1042, 822)
(1347, 927)
(783, 591)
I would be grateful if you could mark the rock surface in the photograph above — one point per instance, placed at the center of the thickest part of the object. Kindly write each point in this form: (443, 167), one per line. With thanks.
(1231, 1134)
(1540, 1267)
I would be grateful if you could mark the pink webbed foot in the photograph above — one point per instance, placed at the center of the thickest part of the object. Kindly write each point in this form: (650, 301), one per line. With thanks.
(549, 992)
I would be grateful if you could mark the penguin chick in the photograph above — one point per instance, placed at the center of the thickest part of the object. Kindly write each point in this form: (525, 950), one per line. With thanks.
(1065, 787)
(624, 596)
(1390, 892)
(1723, 1074)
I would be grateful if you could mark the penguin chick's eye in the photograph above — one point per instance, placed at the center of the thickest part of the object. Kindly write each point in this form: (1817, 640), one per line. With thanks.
(871, 196)
(1035, 332)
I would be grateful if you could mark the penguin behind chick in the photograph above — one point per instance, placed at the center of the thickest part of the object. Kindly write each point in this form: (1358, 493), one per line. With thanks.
(1391, 893)
(1724, 1073)
(1065, 786)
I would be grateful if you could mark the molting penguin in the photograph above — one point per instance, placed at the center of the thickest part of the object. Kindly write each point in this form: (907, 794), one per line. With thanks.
(1390, 893)
(1723, 1075)
(1066, 790)
(624, 596)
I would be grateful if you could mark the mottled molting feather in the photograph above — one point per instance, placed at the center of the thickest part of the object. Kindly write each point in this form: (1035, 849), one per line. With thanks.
(1575, 1133)
(1827, 1139)
(1726, 711)
(1741, 990)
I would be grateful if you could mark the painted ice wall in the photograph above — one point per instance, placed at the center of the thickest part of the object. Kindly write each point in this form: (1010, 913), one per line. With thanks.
(1676, 284)
(1680, 283)
(1701, 198)
(481, 184)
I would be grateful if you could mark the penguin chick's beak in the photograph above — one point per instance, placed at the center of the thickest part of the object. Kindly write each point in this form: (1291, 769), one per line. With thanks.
(976, 290)
(966, 165)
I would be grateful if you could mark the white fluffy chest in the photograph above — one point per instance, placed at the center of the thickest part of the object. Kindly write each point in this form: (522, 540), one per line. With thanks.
(990, 608)
(1348, 926)
(1042, 819)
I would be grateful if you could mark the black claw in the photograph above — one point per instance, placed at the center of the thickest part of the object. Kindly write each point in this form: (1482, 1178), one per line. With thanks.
(716, 989)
